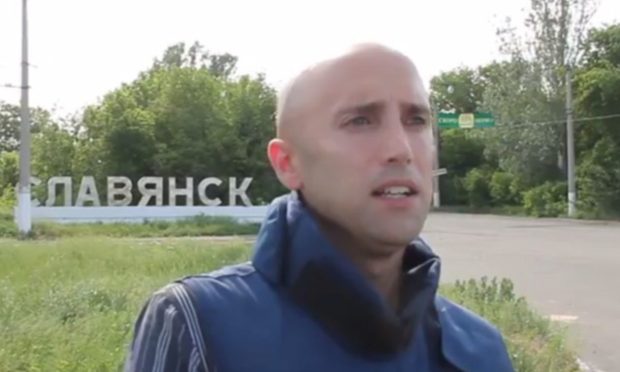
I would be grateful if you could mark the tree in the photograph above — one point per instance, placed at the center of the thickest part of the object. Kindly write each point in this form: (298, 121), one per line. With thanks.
(511, 90)
(460, 151)
(251, 106)
(555, 31)
(10, 122)
(9, 175)
(460, 90)
(9, 127)
(598, 178)
(598, 142)
(9, 170)
(523, 147)
(53, 150)
(118, 134)
(553, 43)
(188, 116)
(178, 56)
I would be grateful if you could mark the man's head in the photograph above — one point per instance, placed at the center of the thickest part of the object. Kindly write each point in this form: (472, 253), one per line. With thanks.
(354, 133)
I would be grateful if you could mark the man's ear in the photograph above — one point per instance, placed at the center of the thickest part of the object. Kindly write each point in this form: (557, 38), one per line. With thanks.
(281, 158)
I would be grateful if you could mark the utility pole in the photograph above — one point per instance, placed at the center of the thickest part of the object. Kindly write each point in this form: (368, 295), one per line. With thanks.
(436, 197)
(23, 199)
(570, 146)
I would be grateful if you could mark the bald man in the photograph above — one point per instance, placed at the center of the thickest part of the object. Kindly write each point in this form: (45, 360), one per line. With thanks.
(340, 279)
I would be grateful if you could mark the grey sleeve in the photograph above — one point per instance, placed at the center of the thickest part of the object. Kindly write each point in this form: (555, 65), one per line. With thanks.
(164, 338)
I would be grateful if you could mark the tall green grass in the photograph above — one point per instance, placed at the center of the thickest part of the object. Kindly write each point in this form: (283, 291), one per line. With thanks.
(69, 304)
(194, 226)
(535, 343)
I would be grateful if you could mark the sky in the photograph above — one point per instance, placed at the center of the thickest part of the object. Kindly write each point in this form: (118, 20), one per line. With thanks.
(82, 49)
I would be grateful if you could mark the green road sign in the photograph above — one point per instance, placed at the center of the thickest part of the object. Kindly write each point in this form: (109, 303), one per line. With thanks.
(466, 121)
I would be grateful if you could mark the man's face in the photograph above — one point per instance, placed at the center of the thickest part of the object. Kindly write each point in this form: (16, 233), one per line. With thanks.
(364, 152)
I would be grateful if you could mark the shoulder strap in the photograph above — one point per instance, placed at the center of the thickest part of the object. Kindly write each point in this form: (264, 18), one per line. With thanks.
(193, 314)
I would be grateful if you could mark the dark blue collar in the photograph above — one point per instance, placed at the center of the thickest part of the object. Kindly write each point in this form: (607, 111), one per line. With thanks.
(293, 254)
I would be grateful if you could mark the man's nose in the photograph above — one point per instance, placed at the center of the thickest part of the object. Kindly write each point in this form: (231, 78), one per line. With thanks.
(395, 142)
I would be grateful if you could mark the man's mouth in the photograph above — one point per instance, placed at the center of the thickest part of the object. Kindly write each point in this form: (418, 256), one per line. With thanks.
(394, 192)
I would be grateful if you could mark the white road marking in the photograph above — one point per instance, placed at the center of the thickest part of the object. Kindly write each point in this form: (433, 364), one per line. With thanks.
(563, 318)
(584, 367)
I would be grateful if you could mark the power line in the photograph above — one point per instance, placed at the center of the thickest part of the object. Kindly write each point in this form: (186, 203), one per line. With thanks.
(516, 125)
(10, 86)
(598, 117)
(576, 120)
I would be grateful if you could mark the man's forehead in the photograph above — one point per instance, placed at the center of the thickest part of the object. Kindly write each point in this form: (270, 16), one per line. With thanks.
(377, 89)
(359, 59)
(348, 78)
(365, 84)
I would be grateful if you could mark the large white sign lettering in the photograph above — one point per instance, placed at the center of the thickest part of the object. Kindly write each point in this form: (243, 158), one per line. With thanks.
(151, 190)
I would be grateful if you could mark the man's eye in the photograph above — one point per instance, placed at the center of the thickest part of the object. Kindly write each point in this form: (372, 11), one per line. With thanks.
(360, 120)
(416, 120)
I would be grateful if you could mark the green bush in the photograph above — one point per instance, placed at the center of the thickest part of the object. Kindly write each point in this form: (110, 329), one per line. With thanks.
(8, 199)
(518, 189)
(500, 189)
(452, 190)
(9, 169)
(7, 225)
(477, 187)
(546, 200)
(506, 189)
(7, 203)
(460, 151)
(534, 343)
(598, 179)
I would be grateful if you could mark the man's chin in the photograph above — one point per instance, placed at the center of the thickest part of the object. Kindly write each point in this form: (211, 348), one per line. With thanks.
(396, 239)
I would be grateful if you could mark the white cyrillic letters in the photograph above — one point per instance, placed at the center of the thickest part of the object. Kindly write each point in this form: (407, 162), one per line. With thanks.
(202, 191)
(88, 192)
(124, 191)
(51, 190)
(234, 191)
(119, 191)
(148, 193)
(174, 192)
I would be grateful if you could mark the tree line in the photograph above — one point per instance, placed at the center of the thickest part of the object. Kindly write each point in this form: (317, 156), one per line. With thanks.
(520, 164)
(190, 114)
(186, 116)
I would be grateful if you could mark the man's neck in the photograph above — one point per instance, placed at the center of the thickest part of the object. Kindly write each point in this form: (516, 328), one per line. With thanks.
(383, 271)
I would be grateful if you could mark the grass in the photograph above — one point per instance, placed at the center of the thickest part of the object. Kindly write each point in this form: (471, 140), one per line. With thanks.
(518, 211)
(69, 304)
(534, 342)
(195, 226)
(497, 210)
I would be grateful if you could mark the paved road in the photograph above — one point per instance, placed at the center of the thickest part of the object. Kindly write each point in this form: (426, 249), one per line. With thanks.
(563, 267)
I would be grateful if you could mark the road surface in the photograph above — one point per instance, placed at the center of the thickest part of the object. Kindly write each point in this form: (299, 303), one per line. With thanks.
(565, 268)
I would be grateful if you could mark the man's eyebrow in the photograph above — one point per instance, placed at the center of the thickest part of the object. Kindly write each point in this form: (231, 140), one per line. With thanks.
(377, 106)
(362, 107)
(417, 108)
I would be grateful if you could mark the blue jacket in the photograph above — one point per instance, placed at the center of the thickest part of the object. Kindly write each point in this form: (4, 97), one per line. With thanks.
(299, 306)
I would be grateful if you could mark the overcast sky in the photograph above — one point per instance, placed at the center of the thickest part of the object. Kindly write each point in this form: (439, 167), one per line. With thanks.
(82, 49)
